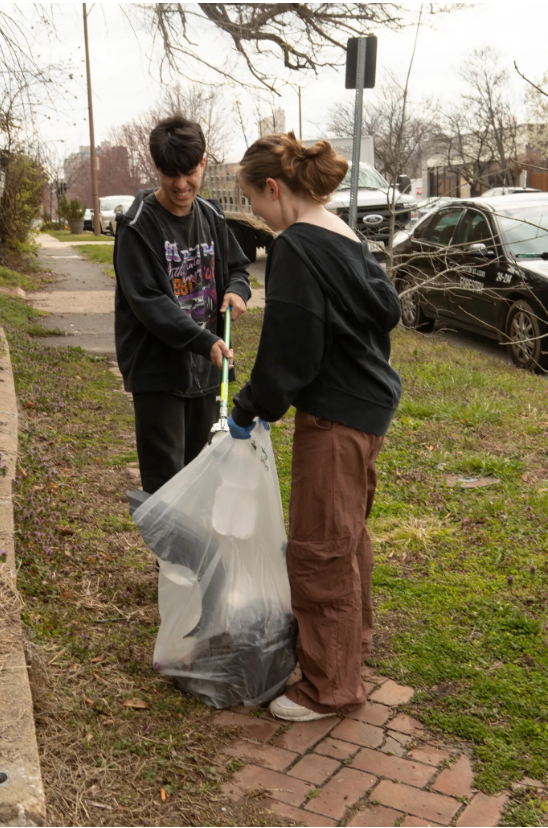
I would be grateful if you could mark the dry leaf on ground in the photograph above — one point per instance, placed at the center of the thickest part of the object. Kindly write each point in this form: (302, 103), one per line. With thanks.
(138, 704)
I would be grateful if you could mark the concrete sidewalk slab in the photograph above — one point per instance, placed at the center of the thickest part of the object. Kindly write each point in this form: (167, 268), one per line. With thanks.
(22, 800)
(49, 242)
(106, 241)
(74, 301)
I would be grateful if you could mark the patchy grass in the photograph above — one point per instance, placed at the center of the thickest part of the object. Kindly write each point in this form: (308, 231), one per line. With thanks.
(101, 254)
(67, 236)
(26, 281)
(462, 575)
(89, 591)
(526, 808)
(461, 579)
(460, 582)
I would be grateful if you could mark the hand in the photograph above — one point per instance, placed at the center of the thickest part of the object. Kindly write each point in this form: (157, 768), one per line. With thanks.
(240, 432)
(236, 303)
(218, 351)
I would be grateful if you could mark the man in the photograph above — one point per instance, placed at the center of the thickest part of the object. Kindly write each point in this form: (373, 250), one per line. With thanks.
(178, 268)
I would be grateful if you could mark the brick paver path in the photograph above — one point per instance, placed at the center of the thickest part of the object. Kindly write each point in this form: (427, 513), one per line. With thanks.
(377, 767)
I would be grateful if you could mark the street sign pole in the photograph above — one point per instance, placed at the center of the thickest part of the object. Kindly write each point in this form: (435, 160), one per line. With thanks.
(358, 117)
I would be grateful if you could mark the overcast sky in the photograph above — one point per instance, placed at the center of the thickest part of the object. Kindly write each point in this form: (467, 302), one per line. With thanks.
(125, 83)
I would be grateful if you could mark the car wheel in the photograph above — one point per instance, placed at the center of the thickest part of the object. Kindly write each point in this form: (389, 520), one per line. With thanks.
(412, 314)
(524, 331)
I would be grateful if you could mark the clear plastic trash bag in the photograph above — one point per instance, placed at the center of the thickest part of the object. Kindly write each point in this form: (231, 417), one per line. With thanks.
(227, 632)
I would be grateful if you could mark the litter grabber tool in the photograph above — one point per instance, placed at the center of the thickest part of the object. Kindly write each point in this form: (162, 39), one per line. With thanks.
(221, 427)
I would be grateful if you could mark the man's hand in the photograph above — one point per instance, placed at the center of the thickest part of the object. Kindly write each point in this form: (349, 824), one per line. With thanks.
(218, 351)
(236, 302)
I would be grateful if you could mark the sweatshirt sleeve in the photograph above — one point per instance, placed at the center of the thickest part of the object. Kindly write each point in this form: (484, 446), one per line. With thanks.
(135, 270)
(292, 339)
(238, 277)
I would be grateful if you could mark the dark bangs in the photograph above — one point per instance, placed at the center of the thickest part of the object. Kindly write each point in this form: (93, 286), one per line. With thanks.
(177, 145)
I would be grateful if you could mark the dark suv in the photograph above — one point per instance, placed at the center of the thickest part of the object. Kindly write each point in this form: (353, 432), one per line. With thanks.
(481, 264)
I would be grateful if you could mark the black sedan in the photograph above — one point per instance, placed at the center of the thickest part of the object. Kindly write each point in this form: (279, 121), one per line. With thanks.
(481, 264)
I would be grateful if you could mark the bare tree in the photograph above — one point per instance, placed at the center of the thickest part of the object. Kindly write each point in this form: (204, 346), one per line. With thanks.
(201, 104)
(480, 134)
(398, 133)
(204, 105)
(301, 36)
(382, 119)
(27, 85)
(536, 100)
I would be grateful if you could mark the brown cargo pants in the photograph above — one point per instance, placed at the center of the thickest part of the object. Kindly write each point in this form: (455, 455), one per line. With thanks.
(330, 560)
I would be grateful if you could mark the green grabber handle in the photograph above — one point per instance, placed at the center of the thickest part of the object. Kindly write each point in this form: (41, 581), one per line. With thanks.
(223, 419)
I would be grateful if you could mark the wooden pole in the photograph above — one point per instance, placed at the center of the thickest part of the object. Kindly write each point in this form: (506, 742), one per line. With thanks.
(93, 159)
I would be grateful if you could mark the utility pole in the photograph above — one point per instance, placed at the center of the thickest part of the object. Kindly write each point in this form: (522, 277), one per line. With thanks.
(93, 159)
(300, 117)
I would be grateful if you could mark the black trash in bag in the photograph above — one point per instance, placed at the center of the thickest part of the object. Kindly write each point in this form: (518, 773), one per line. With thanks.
(227, 632)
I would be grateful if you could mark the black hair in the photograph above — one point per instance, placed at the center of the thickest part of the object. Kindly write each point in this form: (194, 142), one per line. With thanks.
(177, 145)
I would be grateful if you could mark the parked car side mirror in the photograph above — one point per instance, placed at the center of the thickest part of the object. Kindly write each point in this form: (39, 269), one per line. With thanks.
(481, 251)
(403, 183)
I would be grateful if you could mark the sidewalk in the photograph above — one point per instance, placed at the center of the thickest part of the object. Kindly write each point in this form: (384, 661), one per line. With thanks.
(81, 302)
(379, 767)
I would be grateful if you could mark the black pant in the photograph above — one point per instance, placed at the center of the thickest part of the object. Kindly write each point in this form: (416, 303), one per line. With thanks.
(171, 431)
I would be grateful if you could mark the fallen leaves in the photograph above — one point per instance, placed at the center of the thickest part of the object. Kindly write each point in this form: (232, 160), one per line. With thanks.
(137, 704)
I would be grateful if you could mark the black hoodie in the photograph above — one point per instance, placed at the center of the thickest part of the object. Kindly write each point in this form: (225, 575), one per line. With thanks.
(325, 343)
(155, 338)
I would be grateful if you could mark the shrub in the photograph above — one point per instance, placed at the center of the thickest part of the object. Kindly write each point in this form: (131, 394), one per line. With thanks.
(22, 199)
(71, 209)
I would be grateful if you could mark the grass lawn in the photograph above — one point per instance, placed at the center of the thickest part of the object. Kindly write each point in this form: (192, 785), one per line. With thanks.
(26, 281)
(460, 581)
(101, 254)
(67, 236)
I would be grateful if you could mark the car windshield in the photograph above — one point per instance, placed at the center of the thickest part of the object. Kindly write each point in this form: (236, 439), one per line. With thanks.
(525, 231)
(110, 204)
(369, 178)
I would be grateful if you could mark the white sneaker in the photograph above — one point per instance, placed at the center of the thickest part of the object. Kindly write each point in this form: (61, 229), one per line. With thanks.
(284, 708)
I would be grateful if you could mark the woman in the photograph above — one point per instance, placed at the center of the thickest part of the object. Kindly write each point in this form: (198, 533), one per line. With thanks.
(325, 349)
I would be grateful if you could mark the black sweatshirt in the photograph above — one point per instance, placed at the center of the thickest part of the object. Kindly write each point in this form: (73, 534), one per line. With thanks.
(156, 340)
(325, 343)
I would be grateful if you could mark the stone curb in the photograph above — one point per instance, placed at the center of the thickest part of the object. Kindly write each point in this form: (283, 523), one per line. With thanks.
(22, 800)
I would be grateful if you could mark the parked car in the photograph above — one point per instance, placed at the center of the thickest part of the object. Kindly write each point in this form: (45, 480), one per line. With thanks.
(108, 207)
(374, 194)
(481, 264)
(433, 202)
(220, 182)
(498, 191)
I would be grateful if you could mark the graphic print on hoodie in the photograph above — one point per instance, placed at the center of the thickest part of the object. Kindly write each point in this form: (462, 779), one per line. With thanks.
(189, 254)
